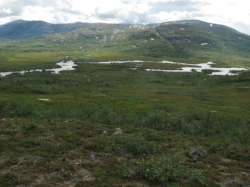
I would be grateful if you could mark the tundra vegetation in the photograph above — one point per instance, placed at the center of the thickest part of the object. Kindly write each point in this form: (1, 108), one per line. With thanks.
(70, 140)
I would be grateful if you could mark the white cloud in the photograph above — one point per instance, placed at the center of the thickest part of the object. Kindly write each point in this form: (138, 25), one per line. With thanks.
(7, 11)
(231, 13)
(169, 16)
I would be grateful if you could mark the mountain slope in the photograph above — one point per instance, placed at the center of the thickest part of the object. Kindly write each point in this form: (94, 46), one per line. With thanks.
(183, 39)
(200, 24)
(19, 30)
(169, 39)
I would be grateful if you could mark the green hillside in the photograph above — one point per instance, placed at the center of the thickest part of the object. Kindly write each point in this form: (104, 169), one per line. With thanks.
(187, 41)
(110, 125)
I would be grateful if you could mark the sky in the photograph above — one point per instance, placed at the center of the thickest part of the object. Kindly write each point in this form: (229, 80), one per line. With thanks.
(232, 13)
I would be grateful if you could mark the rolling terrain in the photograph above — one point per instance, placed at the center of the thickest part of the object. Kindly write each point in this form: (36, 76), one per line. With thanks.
(188, 40)
(21, 30)
(113, 124)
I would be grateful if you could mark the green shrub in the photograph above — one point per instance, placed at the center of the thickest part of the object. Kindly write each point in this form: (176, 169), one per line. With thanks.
(128, 144)
(153, 136)
(2, 146)
(125, 171)
(15, 109)
(29, 126)
(30, 143)
(9, 132)
(168, 169)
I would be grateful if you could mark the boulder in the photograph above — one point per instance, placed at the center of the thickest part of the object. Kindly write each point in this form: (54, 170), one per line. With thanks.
(104, 133)
(121, 159)
(118, 131)
(92, 157)
(195, 153)
(85, 175)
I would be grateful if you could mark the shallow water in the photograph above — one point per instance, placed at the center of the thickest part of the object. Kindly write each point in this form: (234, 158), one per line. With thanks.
(64, 66)
(69, 65)
(116, 62)
(199, 68)
(219, 71)
(43, 99)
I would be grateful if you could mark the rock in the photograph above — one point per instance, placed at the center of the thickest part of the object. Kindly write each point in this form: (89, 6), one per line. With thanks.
(245, 172)
(107, 155)
(235, 181)
(92, 157)
(121, 159)
(226, 160)
(85, 175)
(104, 133)
(117, 132)
(195, 153)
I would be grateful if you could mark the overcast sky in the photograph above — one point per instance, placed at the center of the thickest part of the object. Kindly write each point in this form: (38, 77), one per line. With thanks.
(233, 13)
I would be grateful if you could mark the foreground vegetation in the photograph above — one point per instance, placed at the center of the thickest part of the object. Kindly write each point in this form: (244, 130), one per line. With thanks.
(61, 142)
(75, 153)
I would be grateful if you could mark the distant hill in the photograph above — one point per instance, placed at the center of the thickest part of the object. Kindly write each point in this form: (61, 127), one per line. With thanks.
(178, 39)
(172, 39)
(200, 24)
(20, 29)
(184, 38)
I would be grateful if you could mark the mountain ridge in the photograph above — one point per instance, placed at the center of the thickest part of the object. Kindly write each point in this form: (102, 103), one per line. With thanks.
(171, 40)
(22, 30)
(179, 39)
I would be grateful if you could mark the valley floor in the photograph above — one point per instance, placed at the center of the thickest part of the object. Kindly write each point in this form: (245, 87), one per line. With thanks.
(109, 125)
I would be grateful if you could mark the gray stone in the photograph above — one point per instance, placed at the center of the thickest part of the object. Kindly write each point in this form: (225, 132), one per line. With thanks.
(117, 132)
(85, 175)
(195, 153)
(92, 157)
(121, 159)
(105, 133)
(107, 155)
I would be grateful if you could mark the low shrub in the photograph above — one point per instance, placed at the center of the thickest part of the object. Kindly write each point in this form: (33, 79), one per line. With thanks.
(29, 126)
(134, 145)
(169, 169)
